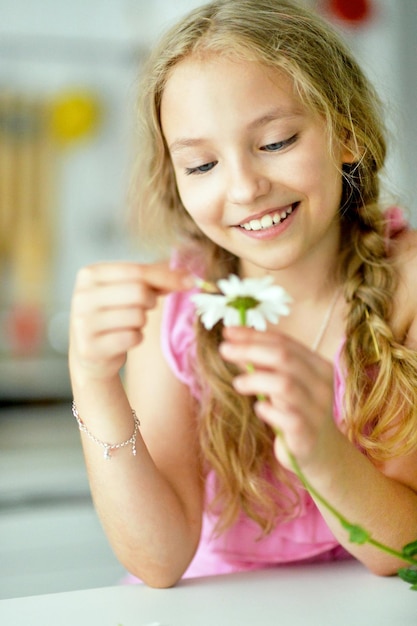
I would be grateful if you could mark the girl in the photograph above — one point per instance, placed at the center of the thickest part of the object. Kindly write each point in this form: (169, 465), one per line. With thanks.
(262, 144)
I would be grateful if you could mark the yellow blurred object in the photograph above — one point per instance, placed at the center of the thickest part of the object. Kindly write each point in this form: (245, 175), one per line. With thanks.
(74, 115)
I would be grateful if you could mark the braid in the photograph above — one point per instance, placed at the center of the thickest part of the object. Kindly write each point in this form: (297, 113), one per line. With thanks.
(380, 401)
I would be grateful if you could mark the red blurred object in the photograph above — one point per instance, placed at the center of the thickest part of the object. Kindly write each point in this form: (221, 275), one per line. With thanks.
(25, 328)
(353, 11)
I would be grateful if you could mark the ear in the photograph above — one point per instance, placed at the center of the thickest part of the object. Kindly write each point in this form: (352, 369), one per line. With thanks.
(350, 151)
(348, 156)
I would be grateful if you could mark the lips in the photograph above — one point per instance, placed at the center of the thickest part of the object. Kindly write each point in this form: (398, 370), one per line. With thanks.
(268, 219)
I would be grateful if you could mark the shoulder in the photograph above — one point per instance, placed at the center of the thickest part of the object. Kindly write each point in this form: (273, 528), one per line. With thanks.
(404, 256)
(178, 336)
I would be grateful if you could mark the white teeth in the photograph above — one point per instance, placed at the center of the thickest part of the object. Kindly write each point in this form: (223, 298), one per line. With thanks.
(267, 220)
(255, 225)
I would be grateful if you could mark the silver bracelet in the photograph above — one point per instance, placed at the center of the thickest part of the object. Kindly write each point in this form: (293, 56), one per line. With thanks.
(108, 447)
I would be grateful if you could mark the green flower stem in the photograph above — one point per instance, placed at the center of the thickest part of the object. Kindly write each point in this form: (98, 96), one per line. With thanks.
(357, 534)
(260, 396)
(242, 314)
(249, 367)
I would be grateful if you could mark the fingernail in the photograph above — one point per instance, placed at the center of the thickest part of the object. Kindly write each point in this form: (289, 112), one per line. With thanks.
(224, 348)
(238, 384)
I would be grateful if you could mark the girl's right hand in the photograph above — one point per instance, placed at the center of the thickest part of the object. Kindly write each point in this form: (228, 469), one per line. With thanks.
(108, 312)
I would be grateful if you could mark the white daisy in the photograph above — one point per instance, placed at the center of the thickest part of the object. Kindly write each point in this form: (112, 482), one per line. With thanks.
(242, 302)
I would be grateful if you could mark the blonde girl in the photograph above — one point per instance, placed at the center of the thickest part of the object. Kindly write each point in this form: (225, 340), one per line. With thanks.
(262, 144)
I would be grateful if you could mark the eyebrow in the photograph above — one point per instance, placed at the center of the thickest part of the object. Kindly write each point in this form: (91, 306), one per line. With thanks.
(181, 144)
(276, 114)
(273, 115)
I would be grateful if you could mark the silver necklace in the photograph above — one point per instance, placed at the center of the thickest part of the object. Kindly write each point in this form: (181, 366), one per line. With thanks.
(325, 322)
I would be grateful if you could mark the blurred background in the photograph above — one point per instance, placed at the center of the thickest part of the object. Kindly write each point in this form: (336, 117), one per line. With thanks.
(68, 79)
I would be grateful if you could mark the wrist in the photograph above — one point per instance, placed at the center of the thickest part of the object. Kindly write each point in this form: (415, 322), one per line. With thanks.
(109, 447)
(100, 370)
(92, 378)
(322, 468)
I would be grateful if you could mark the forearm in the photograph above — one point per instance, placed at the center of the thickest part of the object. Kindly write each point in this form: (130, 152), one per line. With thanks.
(150, 503)
(365, 497)
(145, 520)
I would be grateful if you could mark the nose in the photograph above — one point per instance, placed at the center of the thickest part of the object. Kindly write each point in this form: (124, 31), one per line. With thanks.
(246, 182)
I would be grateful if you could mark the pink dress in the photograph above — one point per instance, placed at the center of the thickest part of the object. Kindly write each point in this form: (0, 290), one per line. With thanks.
(306, 538)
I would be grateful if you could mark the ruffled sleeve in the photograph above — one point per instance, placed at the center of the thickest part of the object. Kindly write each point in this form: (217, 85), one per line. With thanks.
(178, 338)
(178, 329)
(395, 224)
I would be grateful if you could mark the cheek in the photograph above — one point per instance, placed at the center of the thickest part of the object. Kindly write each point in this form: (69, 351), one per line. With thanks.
(319, 178)
(331, 183)
(200, 203)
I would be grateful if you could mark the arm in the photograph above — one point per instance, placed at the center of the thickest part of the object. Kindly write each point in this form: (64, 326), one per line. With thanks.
(299, 386)
(150, 504)
(382, 500)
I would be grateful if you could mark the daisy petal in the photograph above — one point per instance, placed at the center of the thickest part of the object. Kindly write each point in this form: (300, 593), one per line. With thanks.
(255, 319)
(231, 317)
(261, 299)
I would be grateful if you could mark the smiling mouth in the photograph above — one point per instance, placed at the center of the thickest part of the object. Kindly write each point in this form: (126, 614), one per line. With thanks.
(270, 219)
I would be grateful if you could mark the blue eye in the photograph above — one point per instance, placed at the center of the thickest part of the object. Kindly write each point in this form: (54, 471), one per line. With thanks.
(279, 145)
(200, 169)
(273, 147)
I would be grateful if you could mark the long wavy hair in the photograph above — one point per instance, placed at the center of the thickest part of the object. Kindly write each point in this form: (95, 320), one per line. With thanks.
(381, 374)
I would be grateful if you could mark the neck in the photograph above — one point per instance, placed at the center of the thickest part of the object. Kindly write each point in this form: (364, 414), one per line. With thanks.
(308, 281)
(313, 283)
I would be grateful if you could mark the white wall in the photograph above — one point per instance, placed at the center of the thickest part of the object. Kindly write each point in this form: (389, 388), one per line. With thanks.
(386, 48)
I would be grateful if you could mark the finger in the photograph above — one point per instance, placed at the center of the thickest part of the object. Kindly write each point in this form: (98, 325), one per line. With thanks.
(115, 297)
(287, 391)
(249, 336)
(280, 420)
(157, 275)
(273, 350)
(303, 393)
(287, 431)
(274, 356)
(109, 345)
(297, 435)
(107, 321)
(162, 278)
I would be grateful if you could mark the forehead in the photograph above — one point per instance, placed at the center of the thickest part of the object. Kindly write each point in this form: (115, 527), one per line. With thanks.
(198, 88)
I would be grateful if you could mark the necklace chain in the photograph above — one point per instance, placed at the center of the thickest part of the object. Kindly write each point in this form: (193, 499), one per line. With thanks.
(325, 322)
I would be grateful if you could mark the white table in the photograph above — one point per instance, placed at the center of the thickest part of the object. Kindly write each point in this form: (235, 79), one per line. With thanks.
(339, 594)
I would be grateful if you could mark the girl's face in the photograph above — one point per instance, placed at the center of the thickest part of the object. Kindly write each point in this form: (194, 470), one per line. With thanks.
(252, 164)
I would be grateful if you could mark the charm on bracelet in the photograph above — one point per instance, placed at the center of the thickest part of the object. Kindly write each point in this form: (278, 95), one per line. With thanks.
(108, 447)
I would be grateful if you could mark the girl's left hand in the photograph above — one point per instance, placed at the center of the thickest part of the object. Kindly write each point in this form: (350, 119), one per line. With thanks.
(298, 386)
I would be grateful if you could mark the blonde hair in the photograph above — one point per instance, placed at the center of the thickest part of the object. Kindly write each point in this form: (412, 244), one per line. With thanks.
(285, 36)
